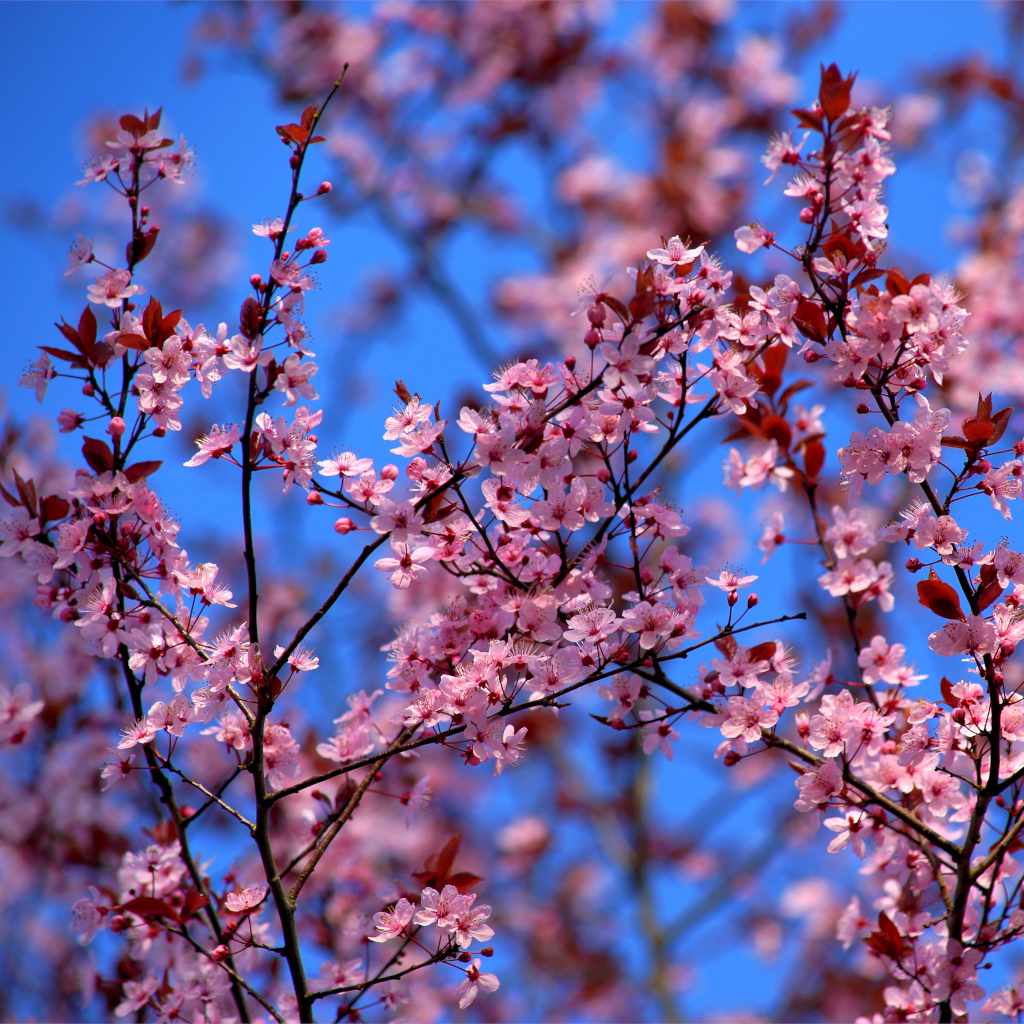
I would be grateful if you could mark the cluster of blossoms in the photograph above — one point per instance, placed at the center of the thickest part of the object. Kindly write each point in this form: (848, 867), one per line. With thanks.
(909, 784)
(542, 520)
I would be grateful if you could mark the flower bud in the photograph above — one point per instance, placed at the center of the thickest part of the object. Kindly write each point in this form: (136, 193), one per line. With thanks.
(592, 338)
(752, 600)
(344, 525)
(220, 953)
(256, 281)
(320, 256)
(314, 498)
(325, 187)
(731, 758)
(115, 428)
(389, 472)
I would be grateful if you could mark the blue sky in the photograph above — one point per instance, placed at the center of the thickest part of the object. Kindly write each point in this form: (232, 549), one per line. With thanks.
(65, 62)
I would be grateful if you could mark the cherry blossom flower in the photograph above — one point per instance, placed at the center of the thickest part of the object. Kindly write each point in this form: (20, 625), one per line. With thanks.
(475, 983)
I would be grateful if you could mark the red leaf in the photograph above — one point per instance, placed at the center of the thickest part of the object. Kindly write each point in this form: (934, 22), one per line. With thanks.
(808, 119)
(947, 692)
(98, 454)
(151, 318)
(810, 318)
(26, 491)
(87, 329)
(141, 470)
(194, 902)
(939, 597)
(148, 906)
(834, 92)
(131, 124)
(53, 507)
(814, 459)
(250, 319)
(136, 341)
(68, 357)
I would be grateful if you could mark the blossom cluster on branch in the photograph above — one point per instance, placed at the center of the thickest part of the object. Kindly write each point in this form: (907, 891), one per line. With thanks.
(541, 510)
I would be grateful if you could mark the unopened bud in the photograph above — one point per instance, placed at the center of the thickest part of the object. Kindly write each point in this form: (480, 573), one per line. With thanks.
(596, 315)
(88, 389)
(913, 564)
(325, 187)
(731, 758)
(862, 408)
(389, 472)
(320, 256)
(465, 956)
(220, 953)
(570, 363)
(256, 281)
(632, 455)
(115, 428)
(752, 600)
(314, 498)
(487, 951)
(733, 598)
(592, 338)
(344, 525)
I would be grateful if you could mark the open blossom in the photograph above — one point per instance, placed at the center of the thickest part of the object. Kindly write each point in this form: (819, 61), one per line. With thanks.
(476, 982)
(752, 237)
(405, 564)
(113, 288)
(345, 464)
(730, 581)
(392, 924)
(592, 626)
(240, 901)
(675, 254)
(219, 441)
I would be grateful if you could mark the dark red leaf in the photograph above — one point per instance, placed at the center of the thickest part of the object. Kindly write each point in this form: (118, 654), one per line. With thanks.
(98, 454)
(140, 470)
(939, 597)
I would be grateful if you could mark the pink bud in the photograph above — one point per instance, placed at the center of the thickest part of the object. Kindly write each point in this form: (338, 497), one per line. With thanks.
(592, 338)
(320, 256)
(220, 953)
(752, 600)
(256, 281)
(115, 428)
(325, 187)
(314, 498)
(344, 525)
(389, 472)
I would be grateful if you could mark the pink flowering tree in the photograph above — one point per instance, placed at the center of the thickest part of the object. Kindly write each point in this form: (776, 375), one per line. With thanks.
(243, 856)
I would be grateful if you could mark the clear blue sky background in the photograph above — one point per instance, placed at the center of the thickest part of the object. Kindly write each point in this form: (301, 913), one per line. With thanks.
(65, 62)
